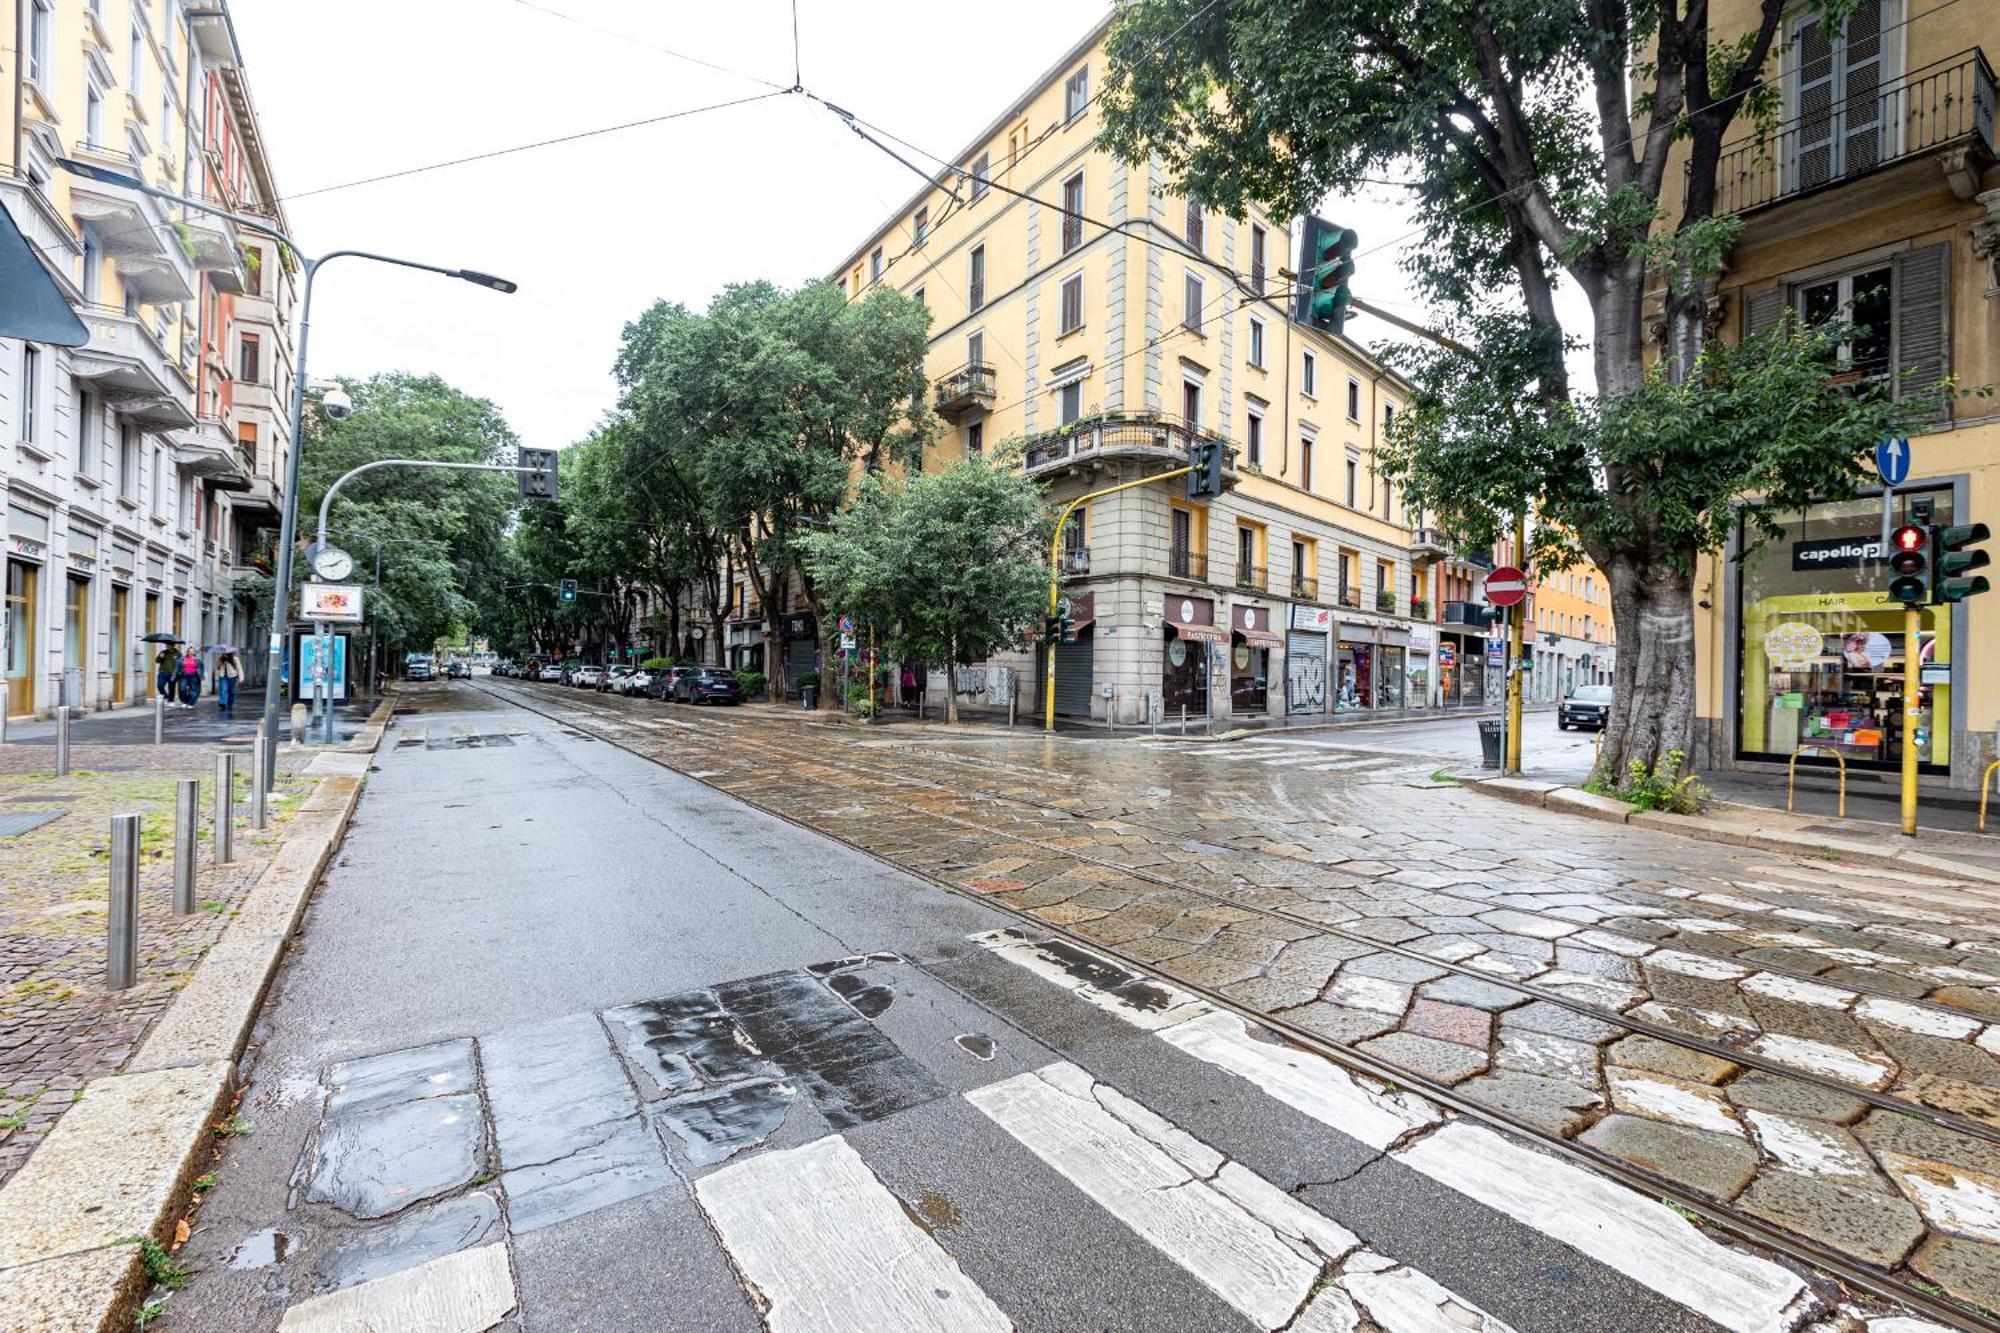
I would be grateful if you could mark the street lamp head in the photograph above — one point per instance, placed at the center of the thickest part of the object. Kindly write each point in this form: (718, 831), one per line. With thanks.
(103, 175)
(478, 279)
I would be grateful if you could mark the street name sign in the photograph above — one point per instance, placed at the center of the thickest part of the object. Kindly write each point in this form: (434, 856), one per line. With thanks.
(1506, 586)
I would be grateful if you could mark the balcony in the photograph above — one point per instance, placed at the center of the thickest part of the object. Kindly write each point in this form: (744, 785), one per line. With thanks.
(1122, 437)
(1471, 615)
(1420, 608)
(1305, 589)
(257, 503)
(1350, 598)
(1944, 109)
(206, 450)
(129, 369)
(211, 247)
(1076, 560)
(1385, 601)
(132, 229)
(1185, 564)
(971, 387)
(1429, 544)
(215, 36)
(1252, 578)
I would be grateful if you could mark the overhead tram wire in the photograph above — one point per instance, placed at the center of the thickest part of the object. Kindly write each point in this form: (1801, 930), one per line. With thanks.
(643, 44)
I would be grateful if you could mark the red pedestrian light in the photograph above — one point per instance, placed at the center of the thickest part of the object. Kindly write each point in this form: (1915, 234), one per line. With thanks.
(1910, 538)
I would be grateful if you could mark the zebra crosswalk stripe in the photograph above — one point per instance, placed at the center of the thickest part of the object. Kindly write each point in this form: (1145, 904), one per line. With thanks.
(832, 1250)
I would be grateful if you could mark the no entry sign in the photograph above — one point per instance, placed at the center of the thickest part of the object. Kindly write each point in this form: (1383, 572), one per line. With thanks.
(1506, 586)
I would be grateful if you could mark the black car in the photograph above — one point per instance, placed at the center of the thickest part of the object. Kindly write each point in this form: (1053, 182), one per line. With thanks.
(667, 683)
(457, 670)
(708, 685)
(1585, 708)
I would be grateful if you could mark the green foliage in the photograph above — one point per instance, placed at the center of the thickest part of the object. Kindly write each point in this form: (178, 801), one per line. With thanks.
(235, 1127)
(203, 1183)
(161, 1267)
(951, 561)
(657, 663)
(1664, 787)
(861, 701)
(754, 683)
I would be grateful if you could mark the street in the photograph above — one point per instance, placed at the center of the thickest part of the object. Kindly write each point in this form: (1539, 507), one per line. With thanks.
(595, 1042)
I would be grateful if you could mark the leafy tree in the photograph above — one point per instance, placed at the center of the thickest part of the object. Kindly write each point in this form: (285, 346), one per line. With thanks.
(440, 534)
(952, 563)
(1539, 133)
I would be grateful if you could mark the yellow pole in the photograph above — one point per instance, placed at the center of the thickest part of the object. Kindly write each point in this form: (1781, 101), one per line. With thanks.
(1912, 710)
(1518, 633)
(1055, 580)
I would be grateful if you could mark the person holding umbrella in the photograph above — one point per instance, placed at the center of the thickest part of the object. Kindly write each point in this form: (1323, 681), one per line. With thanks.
(166, 666)
(228, 671)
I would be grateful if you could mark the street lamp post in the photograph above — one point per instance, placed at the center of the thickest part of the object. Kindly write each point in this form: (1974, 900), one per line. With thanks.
(281, 593)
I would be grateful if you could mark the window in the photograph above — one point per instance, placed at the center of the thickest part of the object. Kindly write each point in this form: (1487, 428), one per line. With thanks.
(1076, 94)
(135, 79)
(87, 426)
(1847, 124)
(1072, 303)
(247, 357)
(982, 171)
(1353, 399)
(922, 226)
(976, 278)
(93, 114)
(158, 494)
(1257, 265)
(1306, 464)
(1246, 551)
(1180, 542)
(1192, 304)
(918, 297)
(1193, 231)
(1309, 375)
(246, 442)
(1072, 222)
(1191, 402)
(1387, 498)
(875, 265)
(975, 437)
(1069, 401)
(1864, 303)
(975, 348)
(1353, 479)
(128, 461)
(1257, 343)
(1253, 440)
(41, 22)
(1388, 417)
(31, 393)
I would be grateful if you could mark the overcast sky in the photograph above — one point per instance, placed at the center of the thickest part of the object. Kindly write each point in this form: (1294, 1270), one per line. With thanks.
(596, 230)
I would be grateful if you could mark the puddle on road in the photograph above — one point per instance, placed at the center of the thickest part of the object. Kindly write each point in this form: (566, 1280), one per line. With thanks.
(715, 1126)
(261, 1249)
(416, 1237)
(977, 1045)
(869, 1000)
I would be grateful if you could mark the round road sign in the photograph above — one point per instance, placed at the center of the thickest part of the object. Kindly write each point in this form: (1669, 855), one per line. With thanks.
(1506, 586)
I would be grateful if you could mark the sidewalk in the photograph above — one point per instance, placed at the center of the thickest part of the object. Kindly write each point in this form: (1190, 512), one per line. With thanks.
(201, 725)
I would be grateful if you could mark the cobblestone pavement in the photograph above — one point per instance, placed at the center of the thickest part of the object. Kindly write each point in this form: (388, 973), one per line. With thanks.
(59, 1026)
(1807, 1042)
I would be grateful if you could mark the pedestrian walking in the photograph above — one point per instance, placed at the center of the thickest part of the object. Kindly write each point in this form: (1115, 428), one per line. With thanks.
(909, 686)
(166, 667)
(190, 678)
(228, 671)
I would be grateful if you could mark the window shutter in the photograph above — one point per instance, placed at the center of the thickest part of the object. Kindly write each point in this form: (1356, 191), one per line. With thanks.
(1761, 311)
(1923, 314)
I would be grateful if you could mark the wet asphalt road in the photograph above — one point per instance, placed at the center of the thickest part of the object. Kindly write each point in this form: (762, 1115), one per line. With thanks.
(665, 987)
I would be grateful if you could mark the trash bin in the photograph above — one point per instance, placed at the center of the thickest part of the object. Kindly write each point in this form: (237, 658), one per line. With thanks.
(1489, 743)
(809, 696)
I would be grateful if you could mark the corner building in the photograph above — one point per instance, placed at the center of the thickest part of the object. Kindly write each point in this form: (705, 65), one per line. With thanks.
(141, 474)
(1874, 203)
(1107, 324)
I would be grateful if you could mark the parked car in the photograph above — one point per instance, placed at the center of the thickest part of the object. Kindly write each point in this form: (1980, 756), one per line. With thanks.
(638, 682)
(617, 679)
(503, 667)
(667, 682)
(418, 666)
(709, 685)
(587, 676)
(549, 673)
(458, 669)
(1585, 708)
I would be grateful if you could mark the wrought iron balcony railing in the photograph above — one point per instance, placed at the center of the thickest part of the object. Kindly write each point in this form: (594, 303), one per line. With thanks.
(1305, 589)
(1125, 435)
(1251, 576)
(1942, 105)
(1186, 564)
(971, 385)
(1350, 597)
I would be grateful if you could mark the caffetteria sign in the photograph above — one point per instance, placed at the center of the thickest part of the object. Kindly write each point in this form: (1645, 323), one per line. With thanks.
(1836, 552)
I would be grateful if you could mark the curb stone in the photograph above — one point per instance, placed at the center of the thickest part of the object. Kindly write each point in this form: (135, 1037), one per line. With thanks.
(118, 1165)
(1576, 801)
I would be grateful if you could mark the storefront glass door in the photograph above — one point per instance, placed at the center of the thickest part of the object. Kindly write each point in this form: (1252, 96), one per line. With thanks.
(121, 650)
(76, 641)
(22, 581)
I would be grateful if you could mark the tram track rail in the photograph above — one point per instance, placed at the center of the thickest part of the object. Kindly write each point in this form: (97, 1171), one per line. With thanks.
(1855, 1273)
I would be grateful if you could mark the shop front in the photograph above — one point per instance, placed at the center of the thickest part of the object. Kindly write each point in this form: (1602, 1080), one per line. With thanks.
(27, 551)
(1461, 666)
(1418, 669)
(1821, 650)
(801, 647)
(1188, 624)
(1076, 662)
(1305, 659)
(1251, 641)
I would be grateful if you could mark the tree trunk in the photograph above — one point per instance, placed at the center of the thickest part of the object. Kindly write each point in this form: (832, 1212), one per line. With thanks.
(1653, 684)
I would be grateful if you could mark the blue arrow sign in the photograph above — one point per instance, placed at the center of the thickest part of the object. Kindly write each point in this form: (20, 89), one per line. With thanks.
(1892, 460)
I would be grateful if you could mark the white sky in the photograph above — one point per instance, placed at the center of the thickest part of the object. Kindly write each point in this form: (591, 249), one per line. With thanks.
(595, 231)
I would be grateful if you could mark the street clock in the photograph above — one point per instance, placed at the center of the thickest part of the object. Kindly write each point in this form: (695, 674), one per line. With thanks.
(331, 563)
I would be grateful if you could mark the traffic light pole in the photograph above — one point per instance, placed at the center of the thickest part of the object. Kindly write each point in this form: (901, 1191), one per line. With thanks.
(1912, 711)
(322, 699)
(1055, 580)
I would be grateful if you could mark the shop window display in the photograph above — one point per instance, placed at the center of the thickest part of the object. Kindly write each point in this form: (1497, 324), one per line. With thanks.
(1822, 653)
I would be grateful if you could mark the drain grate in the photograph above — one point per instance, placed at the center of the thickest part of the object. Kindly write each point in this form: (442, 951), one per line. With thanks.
(13, 826)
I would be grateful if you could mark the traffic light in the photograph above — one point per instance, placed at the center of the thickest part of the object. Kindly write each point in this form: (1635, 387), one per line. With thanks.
(539, 484)
(1910, 565)
(1954, 561)
(1205, 481)
(1326, 263)
(566, 591)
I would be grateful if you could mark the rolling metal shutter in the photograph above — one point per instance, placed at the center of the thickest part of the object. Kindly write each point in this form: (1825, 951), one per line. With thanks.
(1305, 672)
(1073, 675)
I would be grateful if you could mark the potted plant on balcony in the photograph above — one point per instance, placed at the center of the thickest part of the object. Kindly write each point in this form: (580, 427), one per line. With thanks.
(1385, 601)
(1420, 609)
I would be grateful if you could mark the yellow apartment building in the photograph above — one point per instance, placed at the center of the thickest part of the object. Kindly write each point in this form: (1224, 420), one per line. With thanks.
(1081, 309)
(1576, 643)
(1872, 203)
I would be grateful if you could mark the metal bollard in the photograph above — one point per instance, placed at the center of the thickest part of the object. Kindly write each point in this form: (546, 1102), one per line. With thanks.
(121, 932)
(225, 809)
(62, 740)
(187, 829)
(1183, 719)
(159, 719)
(260, 781)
